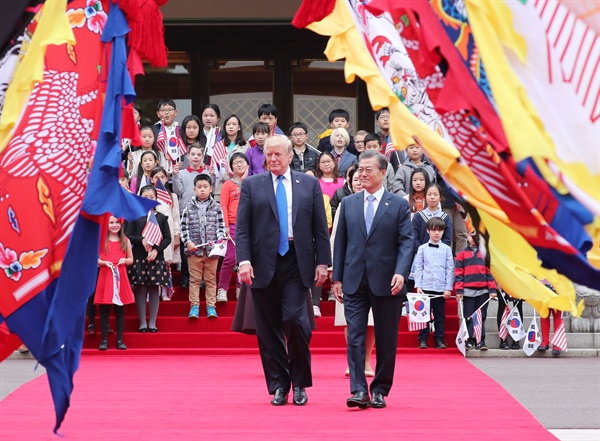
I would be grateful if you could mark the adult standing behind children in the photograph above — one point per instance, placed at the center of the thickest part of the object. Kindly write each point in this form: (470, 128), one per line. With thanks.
(372, 256)
(281, 267)
(201, 225)
(305, 157)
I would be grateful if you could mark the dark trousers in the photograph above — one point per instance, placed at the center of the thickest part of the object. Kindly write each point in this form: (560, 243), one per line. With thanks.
(185, 272)
(438, 307)
(120, 320)
(281, 315)
(502, 304)
(470, 305)
(387, 311)
(90, 310)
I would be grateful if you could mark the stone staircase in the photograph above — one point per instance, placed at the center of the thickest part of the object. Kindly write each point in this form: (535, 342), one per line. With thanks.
(580, 344)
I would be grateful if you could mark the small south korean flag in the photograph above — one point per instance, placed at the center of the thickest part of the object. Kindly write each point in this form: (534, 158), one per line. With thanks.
(462, 336)
(419, 309)
(533, 339)
(219, 248)
(515, 325)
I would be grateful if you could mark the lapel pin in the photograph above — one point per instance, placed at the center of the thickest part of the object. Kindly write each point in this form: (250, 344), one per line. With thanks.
(297, 181)
(387, 203)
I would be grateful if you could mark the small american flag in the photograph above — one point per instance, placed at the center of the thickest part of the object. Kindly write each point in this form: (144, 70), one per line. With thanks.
(559, 341)
(162, 194)
(389, 149)
(219, 156)
(477, 320)
(503, 331)
(152, 231)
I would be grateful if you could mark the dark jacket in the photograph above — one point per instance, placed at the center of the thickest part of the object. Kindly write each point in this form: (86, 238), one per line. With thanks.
(339, 194)
(311, 160)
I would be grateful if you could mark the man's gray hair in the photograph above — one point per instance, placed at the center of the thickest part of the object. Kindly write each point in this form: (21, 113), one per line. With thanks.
(382, 162)
(281, 140)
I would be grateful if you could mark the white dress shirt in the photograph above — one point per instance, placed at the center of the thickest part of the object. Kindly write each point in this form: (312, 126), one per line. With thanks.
(378, 195)
(287, 184)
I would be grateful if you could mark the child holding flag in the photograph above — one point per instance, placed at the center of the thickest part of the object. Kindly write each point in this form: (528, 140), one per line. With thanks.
(474, 284)
(149, 236)
(169, 206)
(202, 225)
(113, 286)
(434, 275)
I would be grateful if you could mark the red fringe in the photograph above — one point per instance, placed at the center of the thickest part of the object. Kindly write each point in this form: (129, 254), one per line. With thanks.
(311, 11)
(131, 9)
(147, 34)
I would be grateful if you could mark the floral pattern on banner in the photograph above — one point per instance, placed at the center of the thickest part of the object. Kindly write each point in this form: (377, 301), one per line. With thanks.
(92, 15)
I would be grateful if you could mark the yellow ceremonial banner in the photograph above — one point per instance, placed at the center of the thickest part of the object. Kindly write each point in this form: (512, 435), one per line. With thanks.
(517, 269)
(540, 114)
(53, 28)
(345, 43)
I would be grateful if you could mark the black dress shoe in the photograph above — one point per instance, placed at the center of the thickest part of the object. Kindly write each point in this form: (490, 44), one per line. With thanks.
(300, 397)
(153, 330)
(143, 330)
(280, 397)
(185, 282)
(103, 345)
(359, 399)
(121, 346)
(543, 348)
(377, 400)
(440, 344)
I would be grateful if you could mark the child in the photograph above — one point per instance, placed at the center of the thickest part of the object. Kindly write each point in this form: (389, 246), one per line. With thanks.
(267, 113)
(201, 225)
(434, 274)
(148, 161)
(416, 196)
(113, 286)
(167, 133)
(343, 158)
(359, 141)
(372, 142)
(148, 144)
(190, 134)
(545, 325)
(183, 187)
(433, 195)
(255, 155)
(172, 212)
(415, 159)
(337, 118)
(234, 136)
(328, 175)
(474, 284)
(210, 133)
(305, 157)
(230, 199)
(149, 271)
(124, 179)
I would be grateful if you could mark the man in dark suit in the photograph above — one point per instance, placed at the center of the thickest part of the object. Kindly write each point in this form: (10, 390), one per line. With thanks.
(282, 247)
(372, 258)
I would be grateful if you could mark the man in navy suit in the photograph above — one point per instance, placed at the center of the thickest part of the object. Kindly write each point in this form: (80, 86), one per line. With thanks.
(372, 258)
(282, 248)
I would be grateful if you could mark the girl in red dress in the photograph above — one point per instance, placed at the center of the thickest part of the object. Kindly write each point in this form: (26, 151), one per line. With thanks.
(113, 286)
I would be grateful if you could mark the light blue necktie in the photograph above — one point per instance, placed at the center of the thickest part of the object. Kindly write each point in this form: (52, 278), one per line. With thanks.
(370, 212)
(282, 212)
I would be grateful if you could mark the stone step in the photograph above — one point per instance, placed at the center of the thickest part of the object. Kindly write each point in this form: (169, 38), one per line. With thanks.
(498, 353)
(575, 340)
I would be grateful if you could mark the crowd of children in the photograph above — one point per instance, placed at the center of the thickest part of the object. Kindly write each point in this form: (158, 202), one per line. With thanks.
(201, 211)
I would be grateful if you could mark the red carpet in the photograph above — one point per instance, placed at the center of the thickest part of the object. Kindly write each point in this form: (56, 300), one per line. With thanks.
(436, 396)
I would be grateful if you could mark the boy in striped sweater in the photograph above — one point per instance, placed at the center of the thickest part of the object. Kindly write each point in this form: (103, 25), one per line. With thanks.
(474, 284)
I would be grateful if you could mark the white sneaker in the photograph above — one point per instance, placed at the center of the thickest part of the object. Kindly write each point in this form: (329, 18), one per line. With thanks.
(317, 311)
(221, 295)
(237, 293)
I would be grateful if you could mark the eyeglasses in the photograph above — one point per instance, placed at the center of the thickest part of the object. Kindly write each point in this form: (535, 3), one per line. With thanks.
(167, 110)
(240, 162)
(384, 117)
(298, 135)
(326, 162)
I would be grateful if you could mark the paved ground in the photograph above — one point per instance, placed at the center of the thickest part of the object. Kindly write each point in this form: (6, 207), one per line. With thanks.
(563, 393)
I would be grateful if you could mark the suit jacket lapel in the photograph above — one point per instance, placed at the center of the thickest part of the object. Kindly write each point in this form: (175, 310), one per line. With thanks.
(268, 186)
(360, 212)
(381, 209)
(295, 182)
